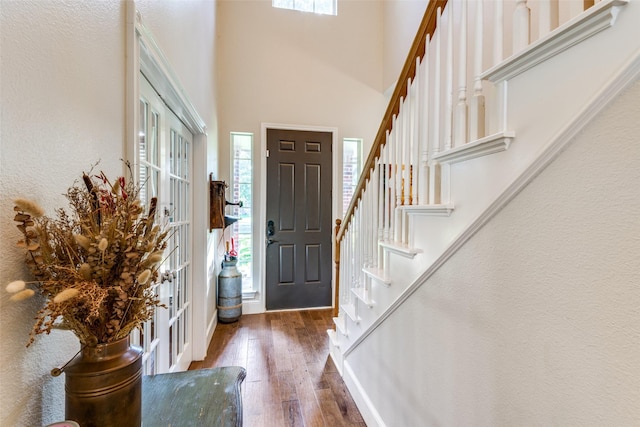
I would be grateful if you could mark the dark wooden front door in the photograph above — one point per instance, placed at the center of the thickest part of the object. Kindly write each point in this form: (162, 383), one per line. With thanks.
(298, 255)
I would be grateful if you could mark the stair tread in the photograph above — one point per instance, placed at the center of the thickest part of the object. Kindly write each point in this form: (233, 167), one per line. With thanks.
(377, 274)
(400, 249)
(363, 295)
(350, 311)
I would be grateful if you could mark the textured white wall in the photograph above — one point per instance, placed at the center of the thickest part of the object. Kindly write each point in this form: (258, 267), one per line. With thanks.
(288, 67)
(401, 21)
(185, 31)
(535, 320)
(62, 85)
(283, 66)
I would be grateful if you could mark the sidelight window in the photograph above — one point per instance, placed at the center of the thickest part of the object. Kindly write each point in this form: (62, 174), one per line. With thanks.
(241, 190)
(351, 165)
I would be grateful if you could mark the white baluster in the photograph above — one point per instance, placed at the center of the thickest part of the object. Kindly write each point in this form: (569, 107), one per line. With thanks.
(445, 168)
(406, 161)
(354, 253)
(349, 263)
(352, 240)
(385, 187)
(477, 108)
(435, 140)
(345, 265)
(547, 16)
(364, 212)
(407, 130)
(361, 241)
(375, 209)
(437, 84)
(498, 32)
(382, 201)
(399, 166)
(423, 194)
(413, 155)
(569, 9)
(354, 247)
(521, 23)
(448, 85)
(462, 109)
(393, 167)
(370, 220)
(358, 245)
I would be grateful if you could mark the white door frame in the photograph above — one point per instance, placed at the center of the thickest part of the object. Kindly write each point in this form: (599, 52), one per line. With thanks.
(144, 55)
(259, 305)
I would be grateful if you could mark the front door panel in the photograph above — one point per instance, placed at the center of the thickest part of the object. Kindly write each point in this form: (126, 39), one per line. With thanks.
(298, 255)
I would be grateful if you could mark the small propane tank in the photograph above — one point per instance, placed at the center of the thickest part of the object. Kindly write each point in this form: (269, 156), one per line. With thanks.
(229, 291)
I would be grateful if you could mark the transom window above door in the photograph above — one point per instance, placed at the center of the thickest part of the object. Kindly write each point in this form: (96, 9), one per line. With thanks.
(325, 7)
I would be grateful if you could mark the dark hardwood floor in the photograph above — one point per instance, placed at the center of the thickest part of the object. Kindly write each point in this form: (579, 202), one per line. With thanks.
(291, 380)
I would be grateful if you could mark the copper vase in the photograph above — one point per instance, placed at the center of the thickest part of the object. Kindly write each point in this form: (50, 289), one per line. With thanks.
(103, 386)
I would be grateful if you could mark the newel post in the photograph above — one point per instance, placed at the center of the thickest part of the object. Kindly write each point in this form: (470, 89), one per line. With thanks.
(336, 298)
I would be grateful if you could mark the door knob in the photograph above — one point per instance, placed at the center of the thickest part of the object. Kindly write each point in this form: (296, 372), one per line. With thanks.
(270, 241)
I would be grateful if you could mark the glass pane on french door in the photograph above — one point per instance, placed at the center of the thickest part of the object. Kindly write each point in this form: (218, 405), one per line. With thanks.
(164, 157)
(179, 260)
(149, 173)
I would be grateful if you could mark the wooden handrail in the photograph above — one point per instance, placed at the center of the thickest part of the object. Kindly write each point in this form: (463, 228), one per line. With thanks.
(427, 27)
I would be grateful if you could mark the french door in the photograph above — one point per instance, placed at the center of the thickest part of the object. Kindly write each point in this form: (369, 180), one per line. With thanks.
(165, 163)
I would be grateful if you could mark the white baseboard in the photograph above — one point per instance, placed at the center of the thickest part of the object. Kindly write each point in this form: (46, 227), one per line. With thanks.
(365, 406)
(211, 327)
(252, 306)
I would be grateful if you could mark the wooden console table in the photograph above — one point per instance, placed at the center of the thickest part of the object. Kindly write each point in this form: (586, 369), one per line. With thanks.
(204, 397)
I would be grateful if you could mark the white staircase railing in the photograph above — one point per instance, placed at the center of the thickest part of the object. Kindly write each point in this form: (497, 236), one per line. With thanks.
(448, 106)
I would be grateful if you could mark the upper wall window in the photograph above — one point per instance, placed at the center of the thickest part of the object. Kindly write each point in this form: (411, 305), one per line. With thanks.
(325, 7)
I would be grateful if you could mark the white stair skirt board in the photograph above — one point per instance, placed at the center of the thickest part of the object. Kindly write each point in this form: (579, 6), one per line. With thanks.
(367, 409)
(595, 19)
(378, 275)
(627, 75)
(400, 250)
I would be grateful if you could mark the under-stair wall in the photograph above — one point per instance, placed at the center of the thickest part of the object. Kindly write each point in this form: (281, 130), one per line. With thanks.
(534, 320)
(508, 298)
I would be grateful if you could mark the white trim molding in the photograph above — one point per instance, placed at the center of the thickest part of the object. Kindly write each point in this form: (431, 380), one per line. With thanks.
(366, 407)
(377, 274)
(363, 296)
(595, 19)
(156, 68)
(429, 210)
(482, 147)
(404, 251)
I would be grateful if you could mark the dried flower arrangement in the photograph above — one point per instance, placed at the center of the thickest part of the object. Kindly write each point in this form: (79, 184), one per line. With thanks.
(96, 266)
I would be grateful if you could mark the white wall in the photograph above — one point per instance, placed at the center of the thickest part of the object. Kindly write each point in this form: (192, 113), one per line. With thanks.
(283, 66)
(535, 320)
(62, 85)
(287, 67)
(401, 21)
